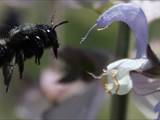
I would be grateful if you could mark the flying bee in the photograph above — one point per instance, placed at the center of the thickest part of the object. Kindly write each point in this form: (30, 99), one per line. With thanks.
(24, 42)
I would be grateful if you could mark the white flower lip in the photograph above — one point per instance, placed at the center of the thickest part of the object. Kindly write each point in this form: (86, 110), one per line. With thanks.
(118, 79)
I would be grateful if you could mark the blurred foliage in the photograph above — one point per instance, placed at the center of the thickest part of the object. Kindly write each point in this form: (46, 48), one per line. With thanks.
(103, 7)
(153, 29)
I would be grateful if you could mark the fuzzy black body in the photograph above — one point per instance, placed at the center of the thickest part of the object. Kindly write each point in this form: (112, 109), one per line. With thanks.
(33, 39)
(30, 40)
(24, 42)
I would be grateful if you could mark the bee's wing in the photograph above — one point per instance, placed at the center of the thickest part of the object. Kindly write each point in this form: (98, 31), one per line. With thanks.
(7, 70)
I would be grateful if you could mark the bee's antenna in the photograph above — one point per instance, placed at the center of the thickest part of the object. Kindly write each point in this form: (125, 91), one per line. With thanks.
(52, 18)
(63, 22)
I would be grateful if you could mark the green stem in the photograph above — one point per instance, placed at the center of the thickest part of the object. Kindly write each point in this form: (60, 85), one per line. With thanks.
(123, 36)
(119, 103)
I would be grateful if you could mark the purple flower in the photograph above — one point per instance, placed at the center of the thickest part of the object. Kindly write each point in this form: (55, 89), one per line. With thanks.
(139, 73)
(132, 15)
(157, 109)
(120, 72)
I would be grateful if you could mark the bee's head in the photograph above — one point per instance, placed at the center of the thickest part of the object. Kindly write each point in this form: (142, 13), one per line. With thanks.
(53, 38)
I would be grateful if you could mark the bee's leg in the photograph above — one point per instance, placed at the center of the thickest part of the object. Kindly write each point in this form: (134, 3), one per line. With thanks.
(39, 45)
(55, 51)
(36, 59)
(7, 70)
(38, 55)
(55, 47)
(20, 62)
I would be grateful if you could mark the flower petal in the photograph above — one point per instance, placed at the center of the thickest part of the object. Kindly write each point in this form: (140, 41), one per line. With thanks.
(144, 85)
(157, 107)
(146, 104)
(152, 69)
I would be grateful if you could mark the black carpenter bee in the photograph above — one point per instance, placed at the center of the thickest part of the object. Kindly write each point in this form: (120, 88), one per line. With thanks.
(24, 42)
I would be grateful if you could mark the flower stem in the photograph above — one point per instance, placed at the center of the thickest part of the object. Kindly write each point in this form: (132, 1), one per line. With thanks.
(119, 103)
(122, 45)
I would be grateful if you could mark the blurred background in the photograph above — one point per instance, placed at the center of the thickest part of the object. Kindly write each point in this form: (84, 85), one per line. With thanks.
(38, 95)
